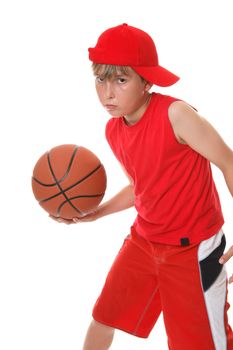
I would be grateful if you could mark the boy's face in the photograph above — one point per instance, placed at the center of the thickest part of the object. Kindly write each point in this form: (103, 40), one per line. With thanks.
(123, 94)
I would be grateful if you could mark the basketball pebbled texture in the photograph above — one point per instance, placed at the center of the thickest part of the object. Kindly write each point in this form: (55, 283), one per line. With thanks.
(69, 181)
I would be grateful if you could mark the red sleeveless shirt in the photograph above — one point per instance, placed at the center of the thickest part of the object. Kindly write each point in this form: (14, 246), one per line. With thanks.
(175, 195)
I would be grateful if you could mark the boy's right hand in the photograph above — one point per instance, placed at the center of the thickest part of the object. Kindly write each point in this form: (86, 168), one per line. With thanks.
(86, 218)
(61, 220)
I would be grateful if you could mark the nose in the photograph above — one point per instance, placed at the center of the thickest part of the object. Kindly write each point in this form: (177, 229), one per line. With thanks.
(109, 93)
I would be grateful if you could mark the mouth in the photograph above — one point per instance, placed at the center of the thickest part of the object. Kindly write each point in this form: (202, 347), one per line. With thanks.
(110, 107)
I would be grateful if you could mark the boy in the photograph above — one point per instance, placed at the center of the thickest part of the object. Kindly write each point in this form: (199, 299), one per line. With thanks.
(171, 260)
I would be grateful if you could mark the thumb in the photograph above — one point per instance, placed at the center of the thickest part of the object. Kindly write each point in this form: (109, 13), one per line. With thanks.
(222, 260)
(225, 257)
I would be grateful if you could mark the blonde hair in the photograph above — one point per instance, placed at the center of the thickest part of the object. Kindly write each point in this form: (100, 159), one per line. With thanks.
(109, 70)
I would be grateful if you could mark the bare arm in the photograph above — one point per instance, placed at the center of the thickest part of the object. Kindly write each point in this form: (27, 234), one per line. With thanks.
(121, 201)
(195, 131)
(199, 134)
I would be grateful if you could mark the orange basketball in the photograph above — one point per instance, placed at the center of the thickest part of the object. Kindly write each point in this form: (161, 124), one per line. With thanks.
(69, 181)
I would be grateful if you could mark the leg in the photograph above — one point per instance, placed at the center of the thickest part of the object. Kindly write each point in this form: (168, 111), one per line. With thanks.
(130, 299)
(99, 337)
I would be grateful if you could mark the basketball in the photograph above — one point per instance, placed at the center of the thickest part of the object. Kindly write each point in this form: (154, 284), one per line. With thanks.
(69, 181)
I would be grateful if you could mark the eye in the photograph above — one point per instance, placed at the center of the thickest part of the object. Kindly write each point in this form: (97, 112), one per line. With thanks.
(121, 80)
(99, 79)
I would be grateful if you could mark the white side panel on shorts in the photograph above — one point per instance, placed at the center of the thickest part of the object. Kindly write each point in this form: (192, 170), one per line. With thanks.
(215, 296)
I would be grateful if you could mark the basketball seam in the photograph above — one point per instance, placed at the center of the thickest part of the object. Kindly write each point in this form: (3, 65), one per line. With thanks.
(58, 184)
(64, 176)
(81, 196)
(72, 186)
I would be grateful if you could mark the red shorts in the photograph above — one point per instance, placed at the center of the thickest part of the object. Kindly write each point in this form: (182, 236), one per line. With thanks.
(186, 283)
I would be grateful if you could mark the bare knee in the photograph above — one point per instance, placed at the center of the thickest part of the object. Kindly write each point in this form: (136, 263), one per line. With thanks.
(101, 327)
(99, 336)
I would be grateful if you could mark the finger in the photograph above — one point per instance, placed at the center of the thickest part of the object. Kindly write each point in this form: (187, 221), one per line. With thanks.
(225, 257)
(54, 217)
(83, 218)
(65, 221)
(79, 220)
(76, 220)
(231, 279)
(222, 260)
(61, 220)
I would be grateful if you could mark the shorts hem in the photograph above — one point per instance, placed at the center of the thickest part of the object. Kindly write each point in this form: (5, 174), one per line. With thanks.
(119, 328)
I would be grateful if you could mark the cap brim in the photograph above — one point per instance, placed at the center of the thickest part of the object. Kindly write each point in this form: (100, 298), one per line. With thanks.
(156, 75)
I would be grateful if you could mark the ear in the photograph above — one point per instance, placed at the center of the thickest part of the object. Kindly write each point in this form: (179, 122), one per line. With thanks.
(148, 86)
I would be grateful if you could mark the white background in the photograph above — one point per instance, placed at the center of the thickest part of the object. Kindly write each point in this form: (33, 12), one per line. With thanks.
(51, 274)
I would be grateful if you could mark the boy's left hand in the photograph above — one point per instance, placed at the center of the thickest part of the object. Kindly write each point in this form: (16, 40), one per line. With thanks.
(225, 257)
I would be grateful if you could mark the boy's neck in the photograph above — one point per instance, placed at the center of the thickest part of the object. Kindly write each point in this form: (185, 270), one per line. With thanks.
(137, 115)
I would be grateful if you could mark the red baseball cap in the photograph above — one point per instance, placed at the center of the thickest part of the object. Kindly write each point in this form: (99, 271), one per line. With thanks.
(125, 45)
